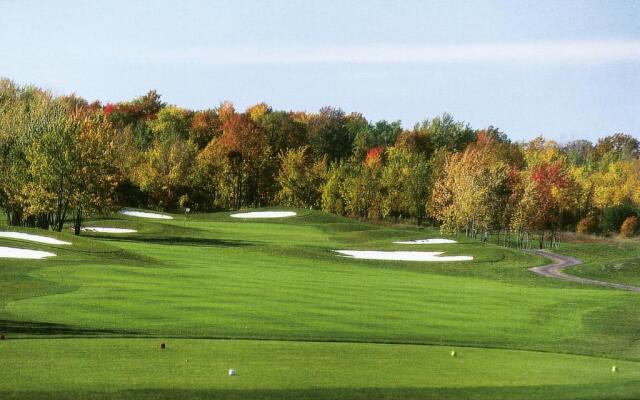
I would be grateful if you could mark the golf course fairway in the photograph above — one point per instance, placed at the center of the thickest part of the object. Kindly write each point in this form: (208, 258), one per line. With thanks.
(271, 299)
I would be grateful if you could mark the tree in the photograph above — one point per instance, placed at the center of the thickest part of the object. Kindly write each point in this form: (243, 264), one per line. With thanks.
(416, 142)
(59, 159)
(395, 180)
(247, 153)
(225, 111)
(472, 190)
(166, 171)
(419, 185)
(360, 130)
(329, 136)
(406, 179)
(333, 200)
(171, 123)
(282, 133)
(550, 181)
(213, 180)
(300, 179)
(362, 189)
(446, 133)
(257, 111)
(52, 159)
(205, 126)
(142, 108)
(135, 114)
(127, 160)
(616, 184)
(368, 136)
(550, 192)
(62, 156)
(386, 133)
(495, 134)
(579, 152)
(94, 174)
(585, 189)
(617, 147)
(17, 104)
(525, 207)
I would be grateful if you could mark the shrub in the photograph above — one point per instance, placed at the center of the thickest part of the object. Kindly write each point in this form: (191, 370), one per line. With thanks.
(629, 227)
(588, 224)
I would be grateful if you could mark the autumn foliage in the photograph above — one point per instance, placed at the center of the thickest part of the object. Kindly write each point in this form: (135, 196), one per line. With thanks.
(374, 156)
(64, 158)
(629, 227)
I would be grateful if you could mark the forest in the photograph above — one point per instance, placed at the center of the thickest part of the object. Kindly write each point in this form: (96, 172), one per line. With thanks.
(63, 158)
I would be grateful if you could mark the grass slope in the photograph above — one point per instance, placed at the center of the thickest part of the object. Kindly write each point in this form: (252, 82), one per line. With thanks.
(613, 260)
(215, 277)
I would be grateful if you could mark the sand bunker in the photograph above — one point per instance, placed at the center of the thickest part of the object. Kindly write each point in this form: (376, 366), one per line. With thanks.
(427, 241)
(142, 214)
(31, 238)
(107, 230)
(402, 255)
(265, 214)
(11, 252)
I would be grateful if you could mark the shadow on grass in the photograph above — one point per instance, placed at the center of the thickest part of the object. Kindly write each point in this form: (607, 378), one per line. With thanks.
(181, 241)
(622, 390)
(47, 328)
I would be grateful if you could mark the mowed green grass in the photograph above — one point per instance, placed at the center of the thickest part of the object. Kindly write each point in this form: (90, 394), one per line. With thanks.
(305, 322)
(125, 368)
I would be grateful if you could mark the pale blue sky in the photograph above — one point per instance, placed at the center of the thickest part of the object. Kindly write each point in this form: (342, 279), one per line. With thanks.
(564, 69)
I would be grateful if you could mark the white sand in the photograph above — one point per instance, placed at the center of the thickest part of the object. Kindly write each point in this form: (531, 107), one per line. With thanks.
(32, 238)
(265, 214)
(427, 241)
(12, 252)
(142, 214)
(402, 255)
(107, 230)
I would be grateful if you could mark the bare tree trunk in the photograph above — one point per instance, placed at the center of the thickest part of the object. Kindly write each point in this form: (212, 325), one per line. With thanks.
(60, 216)
(77, 222)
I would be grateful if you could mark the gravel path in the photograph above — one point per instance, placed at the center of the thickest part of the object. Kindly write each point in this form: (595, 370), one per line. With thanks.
(561, 262)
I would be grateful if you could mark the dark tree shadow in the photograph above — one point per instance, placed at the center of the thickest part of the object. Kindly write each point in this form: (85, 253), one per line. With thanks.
(48, 328)
(181, 240)
(624, 389)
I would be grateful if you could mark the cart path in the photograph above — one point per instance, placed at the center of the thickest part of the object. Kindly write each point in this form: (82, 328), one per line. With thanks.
(561, 262)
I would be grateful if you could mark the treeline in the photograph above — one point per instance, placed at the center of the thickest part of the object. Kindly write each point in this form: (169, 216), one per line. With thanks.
(63, 157)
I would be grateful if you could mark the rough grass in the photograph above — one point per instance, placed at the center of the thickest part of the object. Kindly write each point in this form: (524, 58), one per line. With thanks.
(212, 277)
(613, 260)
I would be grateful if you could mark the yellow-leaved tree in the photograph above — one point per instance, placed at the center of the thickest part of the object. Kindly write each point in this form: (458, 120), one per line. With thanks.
(470, 193)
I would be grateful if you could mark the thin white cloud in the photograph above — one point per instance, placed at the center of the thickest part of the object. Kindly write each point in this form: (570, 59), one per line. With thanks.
(542, 52)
